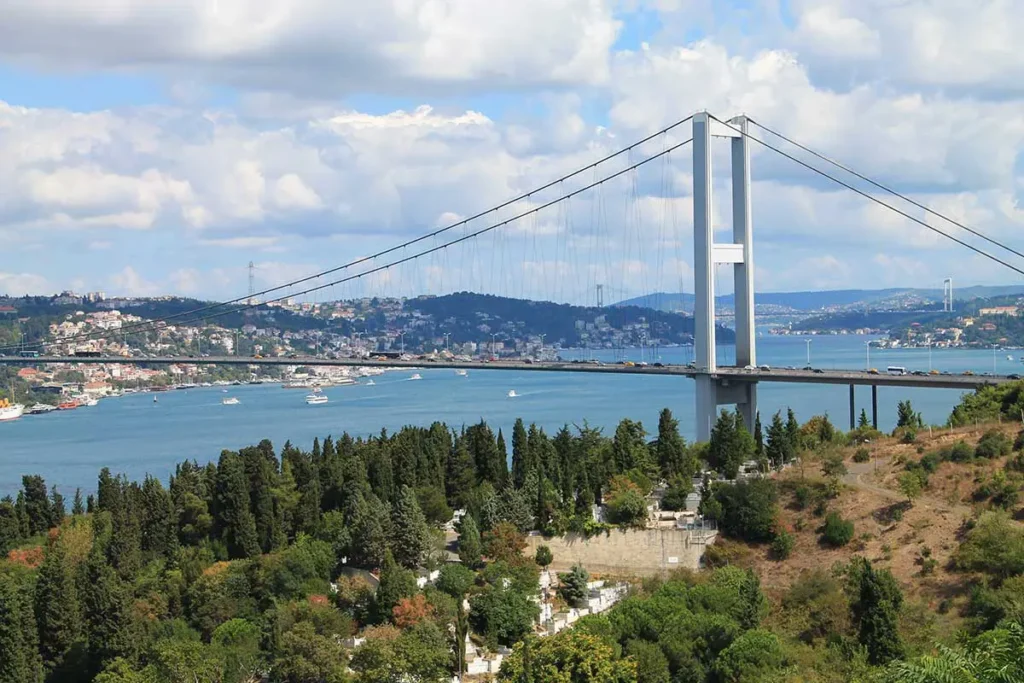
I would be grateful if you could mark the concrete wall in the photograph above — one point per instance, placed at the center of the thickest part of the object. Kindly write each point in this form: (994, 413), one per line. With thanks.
(640, 552)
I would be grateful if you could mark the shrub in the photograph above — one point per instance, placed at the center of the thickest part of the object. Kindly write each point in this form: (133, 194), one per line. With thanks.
(960, 452)
(802, 495)
(862, 455)
(993, 444)
(782, 545)
(1018, 443)
(837, 531)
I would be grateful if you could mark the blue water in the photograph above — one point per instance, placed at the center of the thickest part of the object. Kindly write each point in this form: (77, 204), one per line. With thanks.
(133, 435)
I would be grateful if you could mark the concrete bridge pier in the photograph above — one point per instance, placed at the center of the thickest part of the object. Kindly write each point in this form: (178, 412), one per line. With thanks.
(707, 256)
(713, 392)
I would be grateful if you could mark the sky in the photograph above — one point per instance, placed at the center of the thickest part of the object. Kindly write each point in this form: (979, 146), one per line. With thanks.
(159, 146)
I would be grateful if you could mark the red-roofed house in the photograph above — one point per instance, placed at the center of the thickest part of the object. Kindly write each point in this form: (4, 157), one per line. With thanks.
(27, 373)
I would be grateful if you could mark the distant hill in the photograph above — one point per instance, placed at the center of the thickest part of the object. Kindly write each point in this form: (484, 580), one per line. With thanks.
(816, 301)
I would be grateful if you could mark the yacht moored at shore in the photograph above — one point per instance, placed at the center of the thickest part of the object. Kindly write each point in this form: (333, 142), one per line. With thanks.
(10, 411)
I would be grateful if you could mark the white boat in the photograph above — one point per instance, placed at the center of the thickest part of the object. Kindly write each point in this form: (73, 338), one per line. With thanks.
(316, 399)
(1009, 357)
(40, 408)
(155, 400)
(416, 376)
(230, 401)
(10, 411)
(461, 373)
(370, 383)
(512, 393)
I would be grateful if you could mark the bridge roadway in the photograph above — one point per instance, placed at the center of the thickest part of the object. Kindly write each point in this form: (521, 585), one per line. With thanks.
(848, 377)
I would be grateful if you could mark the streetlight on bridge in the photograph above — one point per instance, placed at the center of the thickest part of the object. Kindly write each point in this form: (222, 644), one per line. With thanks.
(808, 341)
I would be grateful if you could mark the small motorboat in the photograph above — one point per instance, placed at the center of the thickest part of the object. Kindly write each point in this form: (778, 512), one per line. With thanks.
(512, 393)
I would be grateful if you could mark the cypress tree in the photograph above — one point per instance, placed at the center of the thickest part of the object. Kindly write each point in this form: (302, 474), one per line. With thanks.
(57, 509)
(754, 604)
(877, 612)
(106, 605)
(758, 437)
(56, 607)
(125, 549)
(460, 475)
(19, 656)
(233, 517)
(10, 527)
(792, 435)
(108, 492)
(370, 531)
(24, 526)
(77, 507)
(37, 504)
(395, 583)
(470, 546)
(158, 524)
(671, 449)
(409, 533)
(261, 471)
(90, 503)
(778, 442)
(518, 453)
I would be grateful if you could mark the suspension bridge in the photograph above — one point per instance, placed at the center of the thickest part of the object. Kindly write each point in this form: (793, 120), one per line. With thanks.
(578, 244)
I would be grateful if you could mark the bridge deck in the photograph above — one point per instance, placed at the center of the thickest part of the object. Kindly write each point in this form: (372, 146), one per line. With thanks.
(857, 377)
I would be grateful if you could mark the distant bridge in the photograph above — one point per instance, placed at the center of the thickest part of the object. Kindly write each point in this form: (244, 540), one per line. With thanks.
(727, 378)
(715, 385)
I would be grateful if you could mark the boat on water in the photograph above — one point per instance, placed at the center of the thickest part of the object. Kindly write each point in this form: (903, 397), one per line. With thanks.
(316, 399)
(10, 411)
(461, 373)
(416, 376)
(67, 405)
(370, 383)
(156, 400)
(297, 384)
(230, 401)
(512, 393)
(40, 409)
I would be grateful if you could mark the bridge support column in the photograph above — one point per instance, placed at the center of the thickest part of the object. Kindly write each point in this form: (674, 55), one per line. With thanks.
(874, 406)
(713, 392)
(739, 253)
(853, 410)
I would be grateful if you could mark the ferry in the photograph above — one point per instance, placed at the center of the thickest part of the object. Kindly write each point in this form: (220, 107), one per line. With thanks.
(230, 401)
(10, 411)
(67, 405)
(316, 399)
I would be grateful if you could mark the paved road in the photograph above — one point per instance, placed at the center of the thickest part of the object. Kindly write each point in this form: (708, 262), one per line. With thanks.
(858, 377)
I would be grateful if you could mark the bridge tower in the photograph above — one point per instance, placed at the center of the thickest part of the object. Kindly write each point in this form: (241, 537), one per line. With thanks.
(713, 391)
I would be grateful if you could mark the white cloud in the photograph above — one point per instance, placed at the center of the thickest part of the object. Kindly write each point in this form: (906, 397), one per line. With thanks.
(323, 47)
(298, 171)
(128, 282)
(21, 284)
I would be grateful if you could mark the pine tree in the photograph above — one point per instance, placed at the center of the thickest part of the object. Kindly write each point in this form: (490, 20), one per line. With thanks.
(730, 445)
(408, 530)
(514, 506)
(573, 586)
(106, 607)
(671, 449)
(862, 421)
(125, 549)
(233, 519)
(778, 443)
(470, 545)
(77, 507)
(57, 510)
(37, 504)
(19, 656)
(56, 607)
(395, 583)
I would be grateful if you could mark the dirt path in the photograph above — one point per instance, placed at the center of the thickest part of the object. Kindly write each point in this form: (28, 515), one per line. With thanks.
(854, 478)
